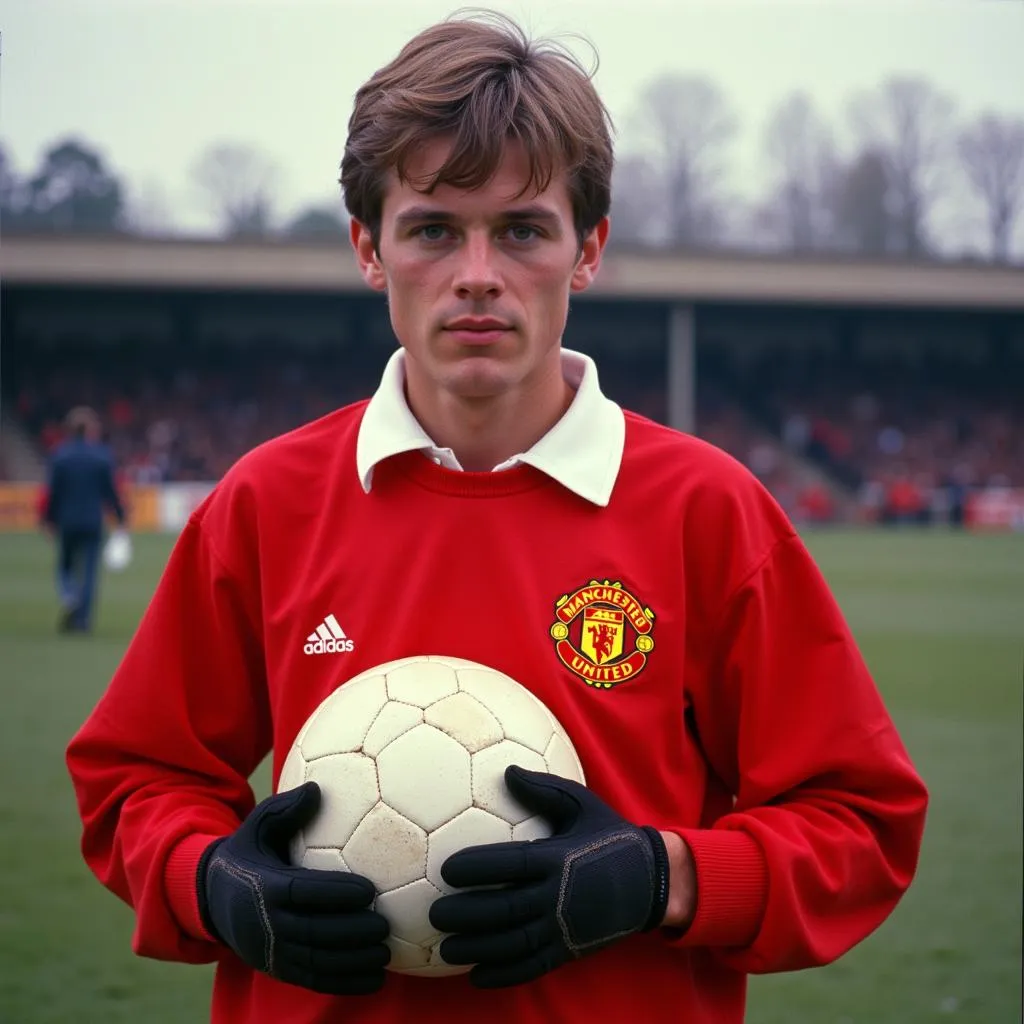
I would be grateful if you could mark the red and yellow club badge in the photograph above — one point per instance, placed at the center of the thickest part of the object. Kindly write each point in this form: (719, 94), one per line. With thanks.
(602, 633)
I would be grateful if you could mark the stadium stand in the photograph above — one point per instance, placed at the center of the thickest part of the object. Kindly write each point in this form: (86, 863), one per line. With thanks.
(190, 420)
(909, 430)
(893, 441)
(876, 393)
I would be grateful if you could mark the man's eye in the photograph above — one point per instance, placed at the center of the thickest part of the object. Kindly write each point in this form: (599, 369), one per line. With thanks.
(522, 233)
(433, 232)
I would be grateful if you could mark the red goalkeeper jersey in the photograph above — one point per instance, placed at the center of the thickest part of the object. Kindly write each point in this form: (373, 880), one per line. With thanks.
(729, 704)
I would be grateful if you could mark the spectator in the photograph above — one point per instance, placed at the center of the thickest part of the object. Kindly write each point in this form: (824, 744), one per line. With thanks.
(80, 486)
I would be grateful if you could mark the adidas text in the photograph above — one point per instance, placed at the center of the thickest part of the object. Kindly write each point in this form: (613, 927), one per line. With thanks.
(328, 638)
(332, 646)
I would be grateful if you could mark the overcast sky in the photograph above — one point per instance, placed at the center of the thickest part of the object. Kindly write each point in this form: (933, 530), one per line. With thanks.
(151, 82)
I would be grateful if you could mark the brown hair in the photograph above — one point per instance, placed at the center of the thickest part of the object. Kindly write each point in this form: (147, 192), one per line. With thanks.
(481, 81)
(82, 422)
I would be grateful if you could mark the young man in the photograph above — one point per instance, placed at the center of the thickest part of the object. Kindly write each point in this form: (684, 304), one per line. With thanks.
(750, 806)
(80, 489)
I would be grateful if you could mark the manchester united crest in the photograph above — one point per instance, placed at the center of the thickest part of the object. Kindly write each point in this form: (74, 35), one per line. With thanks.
(602, 632)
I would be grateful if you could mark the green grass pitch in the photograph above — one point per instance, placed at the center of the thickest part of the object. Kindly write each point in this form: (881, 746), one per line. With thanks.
(940, 618)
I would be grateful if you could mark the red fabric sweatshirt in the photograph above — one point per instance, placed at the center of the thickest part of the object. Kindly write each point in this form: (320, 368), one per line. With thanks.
(737, 713)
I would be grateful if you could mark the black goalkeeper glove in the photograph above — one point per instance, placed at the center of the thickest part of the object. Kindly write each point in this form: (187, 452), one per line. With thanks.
(306, 927)
(596, 879)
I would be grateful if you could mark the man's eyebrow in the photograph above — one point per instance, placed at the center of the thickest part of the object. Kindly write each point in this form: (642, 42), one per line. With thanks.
(432, 215)
(418, 214)
(537, 213)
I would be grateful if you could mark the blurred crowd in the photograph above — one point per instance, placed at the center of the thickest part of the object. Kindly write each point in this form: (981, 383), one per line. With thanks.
(912, 441)
(892, 443)
(189, 422)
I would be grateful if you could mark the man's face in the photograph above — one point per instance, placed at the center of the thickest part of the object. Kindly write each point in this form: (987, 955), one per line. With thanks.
(478, 282)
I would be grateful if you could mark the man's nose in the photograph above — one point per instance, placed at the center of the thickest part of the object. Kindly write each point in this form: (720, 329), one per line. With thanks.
(477, 274)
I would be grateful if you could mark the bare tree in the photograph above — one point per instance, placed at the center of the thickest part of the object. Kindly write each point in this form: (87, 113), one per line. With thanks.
(319, 224)
(800, 152)
(636, 203)
(687, 124)
(860, 199)
(239, 183)
(992, 154)
(13, 196)
(908, 122)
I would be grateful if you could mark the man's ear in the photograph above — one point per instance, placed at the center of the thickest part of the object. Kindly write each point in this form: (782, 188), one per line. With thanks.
(589, 261)
(370, 265)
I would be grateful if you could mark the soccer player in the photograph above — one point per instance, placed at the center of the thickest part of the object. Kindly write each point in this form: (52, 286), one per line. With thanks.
(80, 489)
(750, 806)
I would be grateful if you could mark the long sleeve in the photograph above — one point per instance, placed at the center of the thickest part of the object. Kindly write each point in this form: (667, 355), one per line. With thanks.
(111, 496)
(824, 834)
(54, 490)
(165, 756)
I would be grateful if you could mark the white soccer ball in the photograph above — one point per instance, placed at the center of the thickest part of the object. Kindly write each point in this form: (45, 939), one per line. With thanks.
(410, 759)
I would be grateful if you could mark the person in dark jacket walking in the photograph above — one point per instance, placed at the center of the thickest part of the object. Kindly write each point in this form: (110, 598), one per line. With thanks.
(80, 487)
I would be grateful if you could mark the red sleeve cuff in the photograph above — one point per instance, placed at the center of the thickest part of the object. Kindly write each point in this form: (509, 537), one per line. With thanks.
(732, 888)
(180, 884)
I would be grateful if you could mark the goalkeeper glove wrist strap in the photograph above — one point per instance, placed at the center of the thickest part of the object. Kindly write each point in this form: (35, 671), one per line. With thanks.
(659, 900)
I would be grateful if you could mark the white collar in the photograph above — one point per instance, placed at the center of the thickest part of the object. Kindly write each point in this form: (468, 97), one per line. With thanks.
(582, 451)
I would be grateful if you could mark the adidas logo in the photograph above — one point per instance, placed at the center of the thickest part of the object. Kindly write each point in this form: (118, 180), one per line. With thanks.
(328, 638)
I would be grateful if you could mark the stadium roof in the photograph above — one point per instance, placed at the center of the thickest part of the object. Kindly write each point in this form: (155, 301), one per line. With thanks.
(188, 264)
